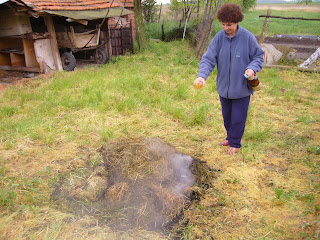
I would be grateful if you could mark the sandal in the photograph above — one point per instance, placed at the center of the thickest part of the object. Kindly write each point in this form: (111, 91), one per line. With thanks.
(233, 151)
(225, 143)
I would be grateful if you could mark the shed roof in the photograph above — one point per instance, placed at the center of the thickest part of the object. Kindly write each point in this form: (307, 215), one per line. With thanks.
(74, 5)
(93, 14)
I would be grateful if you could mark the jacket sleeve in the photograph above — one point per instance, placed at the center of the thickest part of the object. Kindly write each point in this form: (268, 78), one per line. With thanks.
(209, 59)
(256, 56)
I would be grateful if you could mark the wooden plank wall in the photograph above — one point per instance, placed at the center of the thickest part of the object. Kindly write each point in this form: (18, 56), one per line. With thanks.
(121, 40)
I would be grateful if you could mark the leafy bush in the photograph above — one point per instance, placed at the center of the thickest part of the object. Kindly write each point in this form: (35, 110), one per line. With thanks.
(171, 30)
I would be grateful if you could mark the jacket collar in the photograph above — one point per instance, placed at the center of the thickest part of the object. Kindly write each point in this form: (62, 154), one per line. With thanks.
(238, 32)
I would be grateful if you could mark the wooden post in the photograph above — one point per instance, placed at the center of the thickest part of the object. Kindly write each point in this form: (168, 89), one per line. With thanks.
(122, 50)
(109, 46)
(163, 36)
(131, 39)
(53, 40)
(109, 40)
(265, 27)
(160, 13)
(302, 69)
(185, 28)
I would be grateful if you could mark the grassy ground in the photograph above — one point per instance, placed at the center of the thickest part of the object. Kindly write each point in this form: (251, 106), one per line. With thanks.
(54, 124)
(284, 26)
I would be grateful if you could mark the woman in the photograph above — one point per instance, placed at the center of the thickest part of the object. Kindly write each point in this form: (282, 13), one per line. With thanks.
(236, 52)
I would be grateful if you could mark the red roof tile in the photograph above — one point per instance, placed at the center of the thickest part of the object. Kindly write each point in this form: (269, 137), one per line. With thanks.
(78, 5)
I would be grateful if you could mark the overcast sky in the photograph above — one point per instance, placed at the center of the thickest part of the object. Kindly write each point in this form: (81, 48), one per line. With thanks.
(163, 1)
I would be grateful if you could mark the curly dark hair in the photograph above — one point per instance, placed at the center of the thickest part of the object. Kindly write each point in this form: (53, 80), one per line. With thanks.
(230, 13)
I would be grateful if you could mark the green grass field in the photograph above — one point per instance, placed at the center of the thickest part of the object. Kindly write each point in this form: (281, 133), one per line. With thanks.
(253, 23)
(283, 26)
(53, 125)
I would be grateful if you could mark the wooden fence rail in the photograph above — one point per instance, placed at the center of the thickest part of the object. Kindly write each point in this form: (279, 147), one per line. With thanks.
(309, 19)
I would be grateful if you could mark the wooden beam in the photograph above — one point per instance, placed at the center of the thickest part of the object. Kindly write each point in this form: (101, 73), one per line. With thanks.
(311, 59)
(53, 40)
(20, 68)
(309, 19)
(29, 53)
(315, 70)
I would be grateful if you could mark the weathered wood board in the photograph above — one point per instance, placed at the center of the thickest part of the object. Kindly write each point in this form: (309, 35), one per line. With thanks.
(13, 24)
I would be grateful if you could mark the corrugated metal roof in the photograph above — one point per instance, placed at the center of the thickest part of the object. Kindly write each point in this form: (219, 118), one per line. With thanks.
(75, 5)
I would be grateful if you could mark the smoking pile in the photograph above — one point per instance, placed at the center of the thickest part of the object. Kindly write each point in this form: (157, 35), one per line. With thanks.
(135, 183)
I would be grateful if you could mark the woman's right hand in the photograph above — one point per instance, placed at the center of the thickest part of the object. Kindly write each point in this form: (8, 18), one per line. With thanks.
(199, 82)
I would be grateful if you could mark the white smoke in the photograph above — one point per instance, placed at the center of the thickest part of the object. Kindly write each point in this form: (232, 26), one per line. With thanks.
(179, 165)
(184, 177)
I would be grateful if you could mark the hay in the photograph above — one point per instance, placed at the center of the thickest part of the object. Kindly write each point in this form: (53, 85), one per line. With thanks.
(137, 183)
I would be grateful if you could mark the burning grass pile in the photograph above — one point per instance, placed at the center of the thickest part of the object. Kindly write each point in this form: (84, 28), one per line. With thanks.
(134, 183)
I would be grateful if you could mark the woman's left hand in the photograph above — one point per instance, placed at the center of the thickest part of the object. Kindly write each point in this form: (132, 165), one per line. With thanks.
(249, 72)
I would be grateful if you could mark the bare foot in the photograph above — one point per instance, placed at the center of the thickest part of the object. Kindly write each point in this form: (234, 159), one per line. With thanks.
(233, 151)
(225, 143)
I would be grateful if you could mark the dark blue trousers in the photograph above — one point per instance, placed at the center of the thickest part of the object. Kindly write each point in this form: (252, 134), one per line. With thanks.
(234, 112)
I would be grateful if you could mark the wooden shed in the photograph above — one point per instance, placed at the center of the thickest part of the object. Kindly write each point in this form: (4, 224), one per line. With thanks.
(36, 35)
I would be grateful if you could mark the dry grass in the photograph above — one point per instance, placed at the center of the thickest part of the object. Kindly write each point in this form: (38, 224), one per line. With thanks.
(248, 181)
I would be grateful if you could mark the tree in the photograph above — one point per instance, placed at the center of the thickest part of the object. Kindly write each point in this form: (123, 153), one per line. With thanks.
(141, 36)
(305, 1)
(247, 4)
(149, 10)
(186, 7)
(205, 26)
(175, 6)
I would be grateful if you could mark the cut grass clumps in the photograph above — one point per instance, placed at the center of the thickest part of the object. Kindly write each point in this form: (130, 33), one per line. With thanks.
(134, 184)
(18, 191)
(314, 149)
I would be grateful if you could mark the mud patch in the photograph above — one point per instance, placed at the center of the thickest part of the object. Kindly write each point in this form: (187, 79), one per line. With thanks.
(135, 183)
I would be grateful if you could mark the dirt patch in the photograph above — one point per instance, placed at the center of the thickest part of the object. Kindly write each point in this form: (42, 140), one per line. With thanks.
(301, 46)
(8, 78)
(134, 184)
(14, 77)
